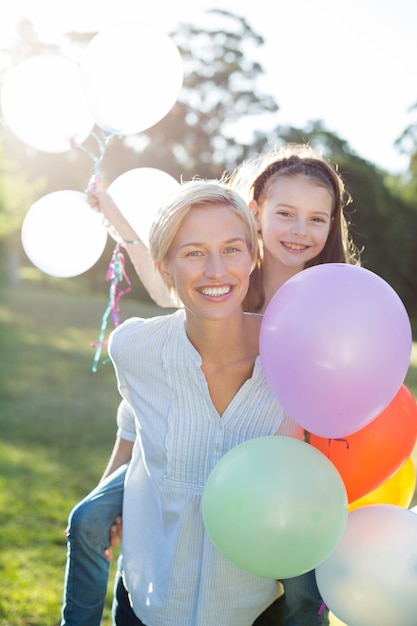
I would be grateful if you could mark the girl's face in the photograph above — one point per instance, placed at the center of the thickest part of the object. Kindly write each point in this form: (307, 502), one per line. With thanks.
(209, 262)
(294, 221)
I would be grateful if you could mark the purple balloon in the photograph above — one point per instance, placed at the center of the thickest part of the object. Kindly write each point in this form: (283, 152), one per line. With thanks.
(335, 346)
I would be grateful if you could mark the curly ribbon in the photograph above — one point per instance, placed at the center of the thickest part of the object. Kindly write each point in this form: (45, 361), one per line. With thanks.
(102, 147)
(116, 275)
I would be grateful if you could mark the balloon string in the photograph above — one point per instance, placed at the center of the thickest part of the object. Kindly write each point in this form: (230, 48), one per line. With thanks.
(345, 441)
(116, 275)
(102, 147)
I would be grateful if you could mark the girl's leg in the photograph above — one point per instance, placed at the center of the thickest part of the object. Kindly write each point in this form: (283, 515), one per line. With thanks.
(87, 570)
(303, 602)
(274, 615)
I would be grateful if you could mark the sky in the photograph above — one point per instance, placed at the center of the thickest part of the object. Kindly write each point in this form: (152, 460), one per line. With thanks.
(351, 64)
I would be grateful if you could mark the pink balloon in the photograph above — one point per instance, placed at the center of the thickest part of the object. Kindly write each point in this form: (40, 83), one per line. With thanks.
(335, 347)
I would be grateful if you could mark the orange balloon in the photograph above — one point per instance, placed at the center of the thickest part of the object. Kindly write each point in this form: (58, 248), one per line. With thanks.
(398, 490)
(367, 458)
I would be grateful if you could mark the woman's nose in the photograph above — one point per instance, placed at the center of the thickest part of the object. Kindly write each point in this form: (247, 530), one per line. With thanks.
(215, 265)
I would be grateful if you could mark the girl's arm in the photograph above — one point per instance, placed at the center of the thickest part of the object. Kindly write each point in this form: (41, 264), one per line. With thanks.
(138, 253)
(121, 453)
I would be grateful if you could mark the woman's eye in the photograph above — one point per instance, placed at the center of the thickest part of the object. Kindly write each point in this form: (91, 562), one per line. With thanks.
(193, 253)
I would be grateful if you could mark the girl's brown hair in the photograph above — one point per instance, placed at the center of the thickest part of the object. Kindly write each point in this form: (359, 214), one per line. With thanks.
(255, 178)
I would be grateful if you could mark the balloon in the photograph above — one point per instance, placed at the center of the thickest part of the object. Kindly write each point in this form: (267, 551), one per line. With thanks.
(368, 457)
(43, 103)
(274, 506)
(398, 490)
(335, 347)
(370, 579)
(132, 75)
(139, 193)
(62, 236)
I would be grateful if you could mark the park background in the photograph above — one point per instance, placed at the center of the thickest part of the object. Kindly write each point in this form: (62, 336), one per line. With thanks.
(58, 417)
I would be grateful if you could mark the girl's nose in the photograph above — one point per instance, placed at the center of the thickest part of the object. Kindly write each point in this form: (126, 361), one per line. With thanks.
(299, 227)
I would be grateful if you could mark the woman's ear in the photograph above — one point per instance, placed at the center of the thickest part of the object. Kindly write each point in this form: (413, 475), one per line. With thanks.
(254, 209)
(163, 269)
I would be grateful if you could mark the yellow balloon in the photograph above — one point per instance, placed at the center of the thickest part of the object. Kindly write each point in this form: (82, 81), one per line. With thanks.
(397, 490)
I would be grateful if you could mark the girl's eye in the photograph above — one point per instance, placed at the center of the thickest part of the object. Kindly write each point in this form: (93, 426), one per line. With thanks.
(283, 213)
(193, 253)
(231, 249)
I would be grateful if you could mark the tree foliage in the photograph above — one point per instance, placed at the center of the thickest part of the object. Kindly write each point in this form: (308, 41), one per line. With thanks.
(220, 88)
(382, 218)
(199, 137)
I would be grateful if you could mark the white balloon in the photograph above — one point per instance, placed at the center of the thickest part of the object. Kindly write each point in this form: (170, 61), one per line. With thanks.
(139, 193)
(62, 235)
(132, 75)
(370, 579)
(44, 104)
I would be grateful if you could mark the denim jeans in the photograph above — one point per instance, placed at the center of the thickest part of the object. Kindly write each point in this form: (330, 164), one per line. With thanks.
(300, 606)
(303, 602)
(123, 614)
(87, 570)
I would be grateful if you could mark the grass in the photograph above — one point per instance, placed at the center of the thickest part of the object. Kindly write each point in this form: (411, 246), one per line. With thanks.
(57, 420)
(58, 426)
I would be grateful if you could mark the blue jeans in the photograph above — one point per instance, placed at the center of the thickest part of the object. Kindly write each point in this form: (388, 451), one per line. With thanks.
(123, 614)
(87, 570)
(303, 602)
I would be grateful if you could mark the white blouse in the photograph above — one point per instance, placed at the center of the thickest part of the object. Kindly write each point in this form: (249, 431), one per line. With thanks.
(172, 571)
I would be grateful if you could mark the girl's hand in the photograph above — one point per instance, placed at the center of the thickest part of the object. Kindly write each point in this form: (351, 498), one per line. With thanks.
(95, 185)
(115, 537)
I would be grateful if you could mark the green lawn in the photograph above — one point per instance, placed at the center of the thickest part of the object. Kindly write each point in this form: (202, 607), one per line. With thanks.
(58, 425)
(57, 420)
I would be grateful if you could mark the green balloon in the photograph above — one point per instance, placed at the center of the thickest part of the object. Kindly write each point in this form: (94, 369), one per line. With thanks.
(275, 506)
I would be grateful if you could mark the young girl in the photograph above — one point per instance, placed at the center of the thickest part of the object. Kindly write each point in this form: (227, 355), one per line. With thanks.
(297, 199)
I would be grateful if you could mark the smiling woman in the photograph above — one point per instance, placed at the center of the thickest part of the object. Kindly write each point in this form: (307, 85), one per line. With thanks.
(193, 389)
(205, 261)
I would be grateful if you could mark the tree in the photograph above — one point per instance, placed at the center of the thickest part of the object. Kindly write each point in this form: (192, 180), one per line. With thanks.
(198, 137)
(407, 144)
(382, 217)
(220, 78)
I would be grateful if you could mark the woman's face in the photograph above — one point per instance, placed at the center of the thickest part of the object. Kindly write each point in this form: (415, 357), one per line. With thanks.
(209, 262)
(294, 221)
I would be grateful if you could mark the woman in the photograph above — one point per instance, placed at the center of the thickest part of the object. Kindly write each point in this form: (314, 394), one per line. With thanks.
(194, 381)
(297, 199)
